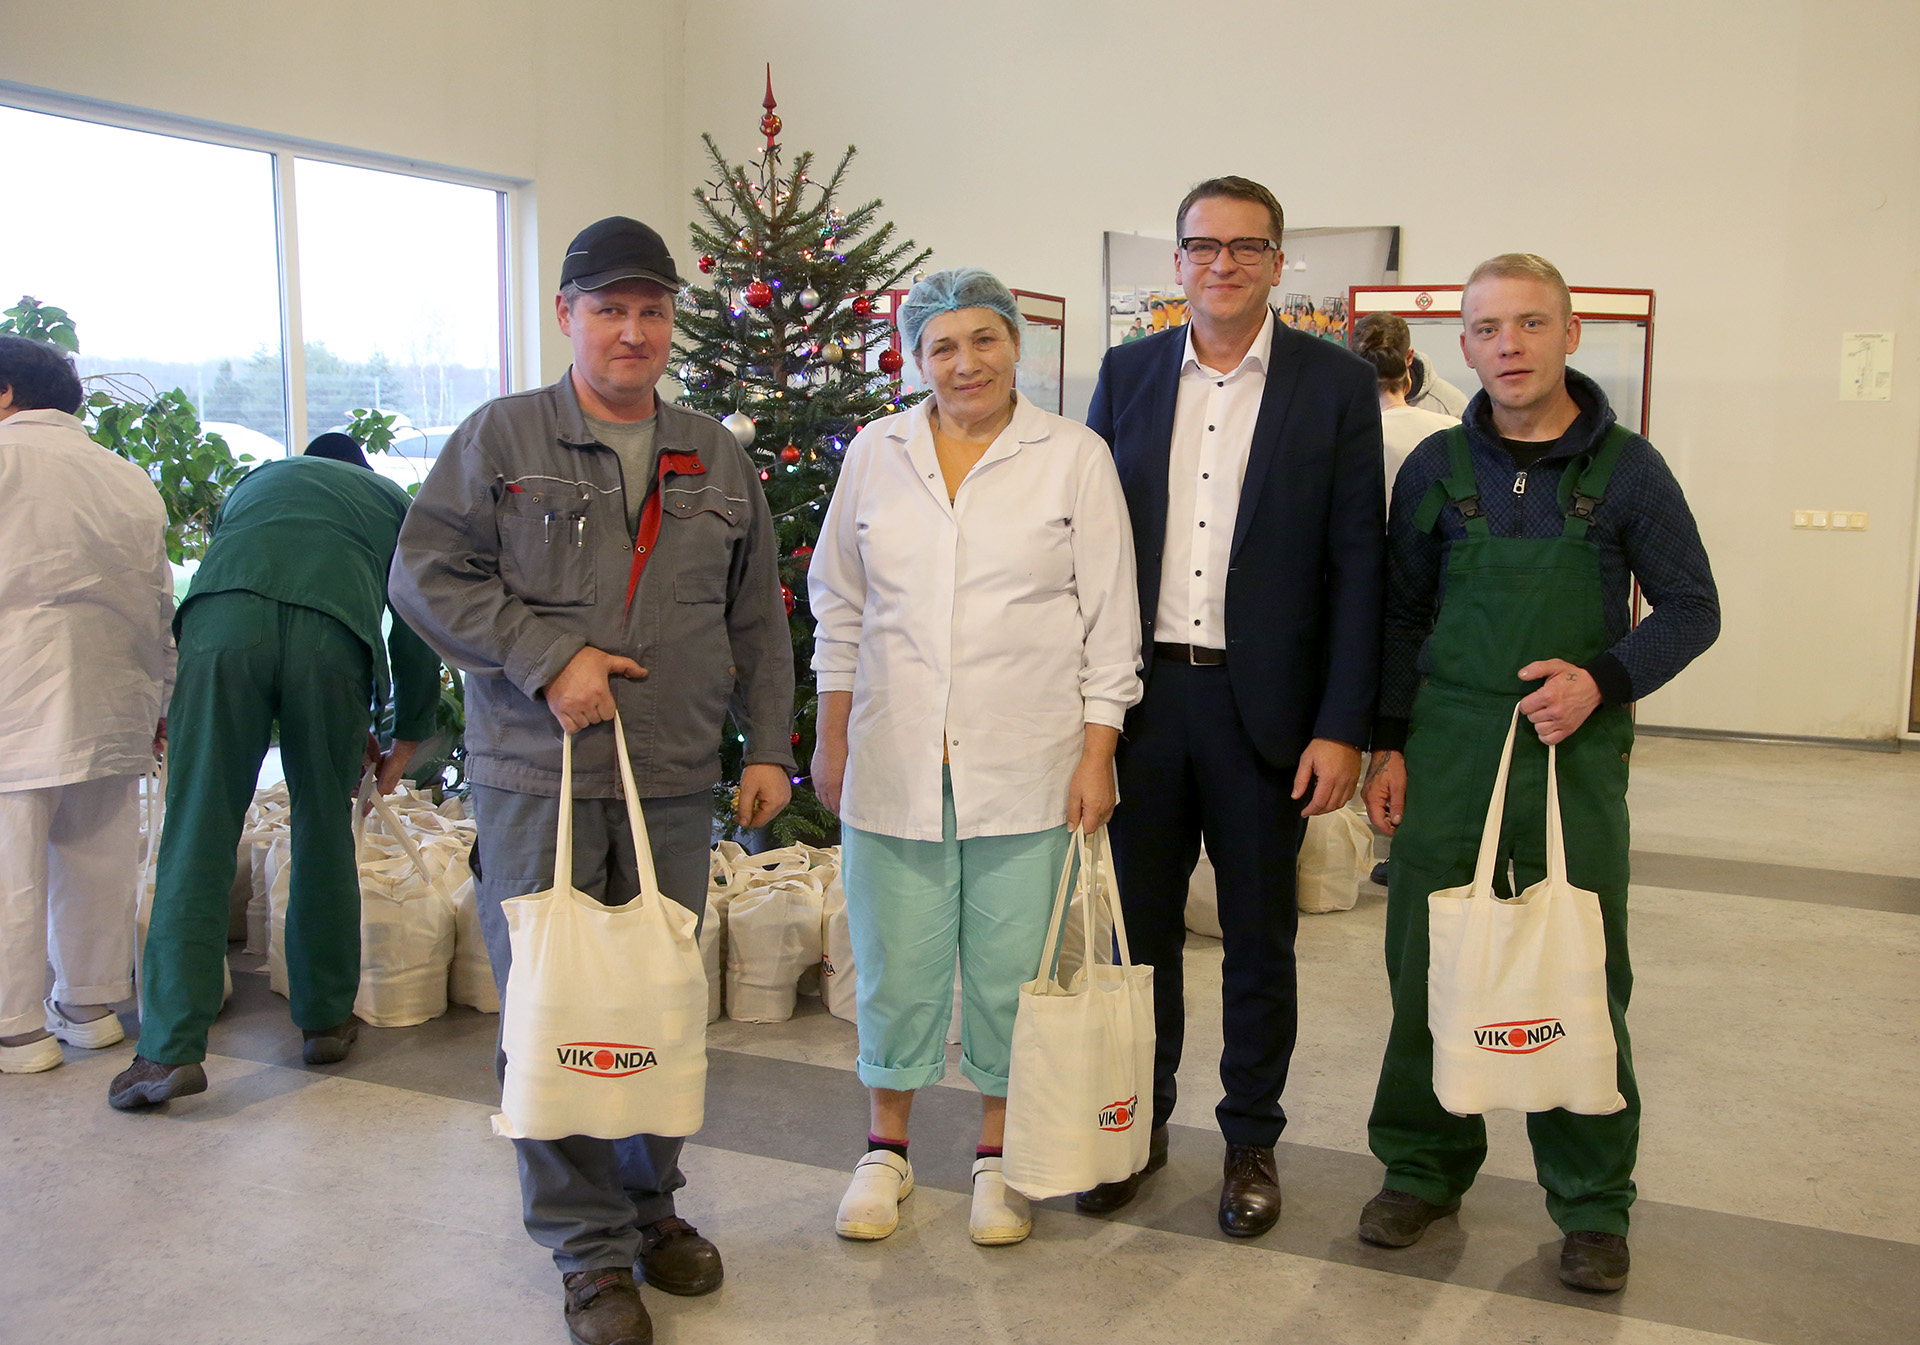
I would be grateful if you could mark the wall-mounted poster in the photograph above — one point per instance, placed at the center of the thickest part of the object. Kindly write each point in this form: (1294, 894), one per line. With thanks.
(1144, 297)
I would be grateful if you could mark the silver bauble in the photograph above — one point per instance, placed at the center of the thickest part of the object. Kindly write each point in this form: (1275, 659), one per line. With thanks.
(741, 427)
(809, 297)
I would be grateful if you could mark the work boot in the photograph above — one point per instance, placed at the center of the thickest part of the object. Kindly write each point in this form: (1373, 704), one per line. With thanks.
(1398, 1218)
(145, 1083)
(674, 1258)
(1595, 1262)
(1110, 1196)
(329, 1045)
(604, 1308)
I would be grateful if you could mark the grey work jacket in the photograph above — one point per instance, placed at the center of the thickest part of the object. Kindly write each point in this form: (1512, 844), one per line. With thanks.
(516, 555)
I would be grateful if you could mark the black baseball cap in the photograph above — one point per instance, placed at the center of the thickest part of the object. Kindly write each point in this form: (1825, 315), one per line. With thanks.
(618, 248)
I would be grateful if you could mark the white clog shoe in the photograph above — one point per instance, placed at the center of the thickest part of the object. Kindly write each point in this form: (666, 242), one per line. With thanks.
(1001, 1214)
(32, 1058)
(870, 1209)
(90, 1035)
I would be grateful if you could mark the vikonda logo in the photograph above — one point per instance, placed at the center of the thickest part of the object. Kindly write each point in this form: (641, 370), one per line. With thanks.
(1519, 1038)
(1119, 1115)
(605, 1059)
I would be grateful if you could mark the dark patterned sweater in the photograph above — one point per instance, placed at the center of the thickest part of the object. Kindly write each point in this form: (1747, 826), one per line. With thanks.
(1643, 528)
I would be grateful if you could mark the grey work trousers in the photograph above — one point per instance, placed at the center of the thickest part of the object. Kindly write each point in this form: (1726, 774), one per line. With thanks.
(587, 1199)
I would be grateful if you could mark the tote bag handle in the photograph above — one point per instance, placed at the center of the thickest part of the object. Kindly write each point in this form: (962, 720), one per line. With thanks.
(389, 819)
(1082, 863)
(636, 823)
(1497, 811)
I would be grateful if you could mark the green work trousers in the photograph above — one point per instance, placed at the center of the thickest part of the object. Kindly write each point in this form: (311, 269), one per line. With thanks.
(1585, 1163)
(246, 661)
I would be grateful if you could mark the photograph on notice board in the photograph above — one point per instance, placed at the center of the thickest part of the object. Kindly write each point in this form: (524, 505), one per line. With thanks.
(1144, 295)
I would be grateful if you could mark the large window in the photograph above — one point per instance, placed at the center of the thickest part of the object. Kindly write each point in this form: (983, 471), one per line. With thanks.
(171, 254)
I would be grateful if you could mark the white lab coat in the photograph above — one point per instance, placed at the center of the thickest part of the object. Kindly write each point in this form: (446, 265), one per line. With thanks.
(1009, 619)
(86, 607)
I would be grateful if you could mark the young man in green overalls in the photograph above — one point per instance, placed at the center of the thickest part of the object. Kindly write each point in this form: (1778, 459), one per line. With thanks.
(1513, 542)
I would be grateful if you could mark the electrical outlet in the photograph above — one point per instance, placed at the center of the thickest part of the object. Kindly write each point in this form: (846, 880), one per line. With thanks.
(1816, 518)
(1842, 520)
(1850, 521)
(1803, 518)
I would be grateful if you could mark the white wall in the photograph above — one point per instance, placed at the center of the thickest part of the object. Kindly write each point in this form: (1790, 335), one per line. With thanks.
(1756, 163)
(578, 97)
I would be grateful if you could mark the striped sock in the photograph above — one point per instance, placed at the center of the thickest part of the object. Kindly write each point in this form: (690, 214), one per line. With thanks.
(987, 1151)
(891, 1146)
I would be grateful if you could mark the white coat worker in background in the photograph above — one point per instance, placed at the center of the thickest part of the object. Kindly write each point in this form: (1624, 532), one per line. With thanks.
(86, 606)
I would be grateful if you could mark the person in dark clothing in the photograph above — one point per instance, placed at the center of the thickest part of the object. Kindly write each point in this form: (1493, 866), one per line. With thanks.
(282, 624)
(1513, 543)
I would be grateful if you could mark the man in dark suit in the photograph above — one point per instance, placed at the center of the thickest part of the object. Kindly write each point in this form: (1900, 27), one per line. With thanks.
(1251, 459)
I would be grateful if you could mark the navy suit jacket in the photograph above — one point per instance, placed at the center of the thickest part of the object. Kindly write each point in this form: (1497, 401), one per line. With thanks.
(1307, 569)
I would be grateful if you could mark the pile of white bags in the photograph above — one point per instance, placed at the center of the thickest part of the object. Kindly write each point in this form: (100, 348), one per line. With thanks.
(407, 922)
(1335, 858)
(775, 929)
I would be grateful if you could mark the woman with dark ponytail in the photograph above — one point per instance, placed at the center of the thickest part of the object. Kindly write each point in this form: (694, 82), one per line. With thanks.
(1384, 342)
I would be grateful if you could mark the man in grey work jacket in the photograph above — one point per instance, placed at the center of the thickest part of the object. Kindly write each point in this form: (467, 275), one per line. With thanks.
(577, 548)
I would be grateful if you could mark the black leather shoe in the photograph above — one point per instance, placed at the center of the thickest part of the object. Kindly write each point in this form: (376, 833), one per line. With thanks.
(604, 1308)
(1595, 1262)
(1110, 1196)
(1398, 1218)
(146, 1083)
(329, 1046)
(674, 1258)
(1249, 1192)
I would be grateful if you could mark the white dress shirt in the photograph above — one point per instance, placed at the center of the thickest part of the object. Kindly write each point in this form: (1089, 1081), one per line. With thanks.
(86, 607)
(1008, 618)
(1212, 433)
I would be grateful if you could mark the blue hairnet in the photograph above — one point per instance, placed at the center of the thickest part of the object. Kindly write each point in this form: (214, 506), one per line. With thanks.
(944, 291)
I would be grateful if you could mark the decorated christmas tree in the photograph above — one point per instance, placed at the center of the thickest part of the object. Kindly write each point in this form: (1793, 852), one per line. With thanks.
(781, 340)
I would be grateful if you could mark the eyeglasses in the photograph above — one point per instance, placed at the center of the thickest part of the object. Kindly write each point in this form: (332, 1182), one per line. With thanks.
(1246, 251)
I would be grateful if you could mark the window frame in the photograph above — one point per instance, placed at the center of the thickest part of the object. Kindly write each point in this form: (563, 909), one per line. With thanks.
(511, 196)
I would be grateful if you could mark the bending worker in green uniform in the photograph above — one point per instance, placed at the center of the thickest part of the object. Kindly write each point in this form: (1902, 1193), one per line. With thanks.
(282, 622)
(1512, 543)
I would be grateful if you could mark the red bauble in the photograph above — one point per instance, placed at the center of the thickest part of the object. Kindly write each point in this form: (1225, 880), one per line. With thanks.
(796, 740)
(790, 454)
(862, 307)
(759, 294)
(786, 595)
(802, 551)
(706, 264)
(890, 361)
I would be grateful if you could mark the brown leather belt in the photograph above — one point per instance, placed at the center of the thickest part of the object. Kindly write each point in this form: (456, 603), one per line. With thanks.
(1187, 653)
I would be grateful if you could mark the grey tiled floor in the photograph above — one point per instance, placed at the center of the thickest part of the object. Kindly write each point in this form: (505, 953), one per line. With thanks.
(1777, 1033)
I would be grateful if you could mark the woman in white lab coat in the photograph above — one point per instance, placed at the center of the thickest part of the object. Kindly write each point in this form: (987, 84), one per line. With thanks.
(976, 648)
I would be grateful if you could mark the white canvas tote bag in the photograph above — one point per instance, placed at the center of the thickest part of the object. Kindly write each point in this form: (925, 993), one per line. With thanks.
(604, 1021)
(837, 989)
(408, 927)
(1517, 989)
(1335, 855)
(1082, 1069)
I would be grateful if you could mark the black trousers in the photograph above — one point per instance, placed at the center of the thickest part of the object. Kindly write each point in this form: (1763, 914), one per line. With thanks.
(1188, 770)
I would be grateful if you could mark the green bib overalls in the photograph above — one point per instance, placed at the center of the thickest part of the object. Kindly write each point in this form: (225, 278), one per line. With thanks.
(1509, 602)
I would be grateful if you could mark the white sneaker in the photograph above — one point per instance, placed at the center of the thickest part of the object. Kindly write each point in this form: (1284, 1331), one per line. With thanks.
(32, 1058)
(871, 1207)
(90, 1035)
(1000, 1213)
